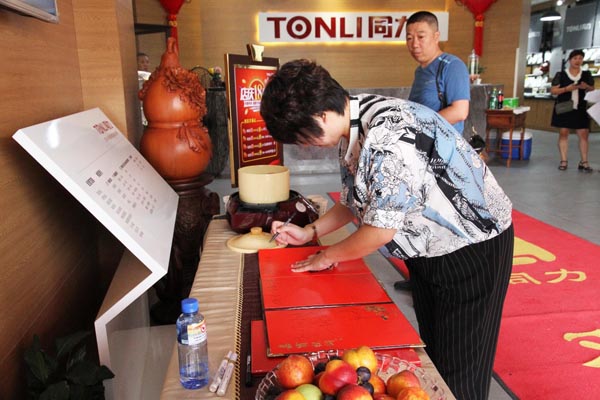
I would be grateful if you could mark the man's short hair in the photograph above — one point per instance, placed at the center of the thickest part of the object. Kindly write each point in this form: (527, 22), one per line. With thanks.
(423, 16)
(297, 93)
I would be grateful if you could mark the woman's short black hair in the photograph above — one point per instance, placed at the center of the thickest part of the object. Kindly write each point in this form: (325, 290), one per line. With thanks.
(298, 92)
(576, 52)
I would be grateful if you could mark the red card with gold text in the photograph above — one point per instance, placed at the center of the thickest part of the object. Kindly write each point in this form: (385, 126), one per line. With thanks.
(378, 326)
(278, 262)
(318, 290)
(349, 282)
(261, 364)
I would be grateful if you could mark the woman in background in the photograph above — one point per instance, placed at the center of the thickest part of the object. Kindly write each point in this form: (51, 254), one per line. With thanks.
(571, 84)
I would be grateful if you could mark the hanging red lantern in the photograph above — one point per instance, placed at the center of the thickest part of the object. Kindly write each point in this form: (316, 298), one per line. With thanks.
(477, 7)
(172, 7)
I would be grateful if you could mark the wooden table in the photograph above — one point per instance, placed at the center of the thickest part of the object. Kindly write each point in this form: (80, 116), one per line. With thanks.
(219, 287)
(504, 120)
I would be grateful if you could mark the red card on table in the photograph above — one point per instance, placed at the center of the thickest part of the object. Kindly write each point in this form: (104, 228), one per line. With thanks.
(317, 290)
(261, 364)
(277, 262)
(308, 330)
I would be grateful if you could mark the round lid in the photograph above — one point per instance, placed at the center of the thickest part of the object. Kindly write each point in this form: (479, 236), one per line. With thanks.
(252, 242)
(189, 306)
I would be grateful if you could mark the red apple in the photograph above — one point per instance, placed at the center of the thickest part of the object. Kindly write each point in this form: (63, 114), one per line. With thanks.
(401, 380)
(378, 384)
(412, 393)
(353, 392)
(290, 394)
(337, 374)
(317, 377)
(294, 371)
(382, 396)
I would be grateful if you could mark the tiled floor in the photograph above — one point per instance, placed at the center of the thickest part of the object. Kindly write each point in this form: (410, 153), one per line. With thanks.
(565, 199)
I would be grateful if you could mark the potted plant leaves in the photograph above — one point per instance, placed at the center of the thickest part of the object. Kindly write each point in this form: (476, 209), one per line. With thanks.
(65, 375)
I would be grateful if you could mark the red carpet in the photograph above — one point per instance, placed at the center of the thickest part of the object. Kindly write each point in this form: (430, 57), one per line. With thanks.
(549, 346)
(549, 343)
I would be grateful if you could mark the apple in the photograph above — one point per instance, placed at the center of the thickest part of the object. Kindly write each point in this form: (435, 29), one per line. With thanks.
(383, 396)
(353, 392)
(412, 393)
(362, 356)
(310, 391)
(317, 378)
(294, 371)
(337, 374)
(290, 394)
(378, 384)
(401, 380)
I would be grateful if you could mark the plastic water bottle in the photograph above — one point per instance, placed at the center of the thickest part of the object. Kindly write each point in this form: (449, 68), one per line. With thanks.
(473, 63)
(493, 104)
(192, 346)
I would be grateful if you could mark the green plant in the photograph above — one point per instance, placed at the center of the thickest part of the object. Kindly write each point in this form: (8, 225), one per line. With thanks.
(67, 375)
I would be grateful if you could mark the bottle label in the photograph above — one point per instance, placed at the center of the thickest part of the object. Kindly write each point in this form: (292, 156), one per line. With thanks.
(196, 333)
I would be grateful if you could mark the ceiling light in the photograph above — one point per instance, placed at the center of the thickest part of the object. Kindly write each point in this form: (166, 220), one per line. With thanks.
(559, 2)
(550, 15)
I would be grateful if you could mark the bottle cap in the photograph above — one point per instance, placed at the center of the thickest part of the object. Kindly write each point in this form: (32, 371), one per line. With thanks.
(189, 305)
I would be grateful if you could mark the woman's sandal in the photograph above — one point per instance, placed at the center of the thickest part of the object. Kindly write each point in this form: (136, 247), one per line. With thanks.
(584, 166)
(563, 165)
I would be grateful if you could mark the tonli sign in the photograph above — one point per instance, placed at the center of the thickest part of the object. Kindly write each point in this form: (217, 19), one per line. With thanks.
(302, 27)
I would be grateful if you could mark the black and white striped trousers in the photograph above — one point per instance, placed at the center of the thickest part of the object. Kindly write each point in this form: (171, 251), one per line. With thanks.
(458, 301)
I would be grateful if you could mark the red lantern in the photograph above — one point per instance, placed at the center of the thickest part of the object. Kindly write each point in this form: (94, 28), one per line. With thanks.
(477, 7)
(172, 7)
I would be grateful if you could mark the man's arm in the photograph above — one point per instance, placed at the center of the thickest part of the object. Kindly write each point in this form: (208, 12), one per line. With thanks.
(456, 112)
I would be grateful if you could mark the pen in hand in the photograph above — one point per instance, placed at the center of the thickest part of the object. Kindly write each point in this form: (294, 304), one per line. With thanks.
(287, 221)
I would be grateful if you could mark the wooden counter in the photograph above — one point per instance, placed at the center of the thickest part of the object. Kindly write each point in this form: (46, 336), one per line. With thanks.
(540, 115)
(218, 286)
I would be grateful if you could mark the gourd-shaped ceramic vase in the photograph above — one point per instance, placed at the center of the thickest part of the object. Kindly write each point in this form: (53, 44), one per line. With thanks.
(175, 141)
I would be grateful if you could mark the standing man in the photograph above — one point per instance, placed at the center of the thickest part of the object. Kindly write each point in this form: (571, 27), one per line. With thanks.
(441, 79)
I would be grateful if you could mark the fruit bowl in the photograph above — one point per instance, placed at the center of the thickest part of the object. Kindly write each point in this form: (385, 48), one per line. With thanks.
(387, 365)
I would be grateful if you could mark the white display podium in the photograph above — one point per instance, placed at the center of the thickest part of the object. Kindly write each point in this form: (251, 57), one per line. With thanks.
(96, 163)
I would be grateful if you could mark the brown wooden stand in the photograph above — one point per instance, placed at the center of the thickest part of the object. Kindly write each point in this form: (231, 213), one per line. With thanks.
(197, 206)
(504, 119)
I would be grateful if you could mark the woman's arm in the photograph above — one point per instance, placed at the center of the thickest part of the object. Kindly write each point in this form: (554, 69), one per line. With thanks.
(557, 90)
(336, 217)
(361, 243)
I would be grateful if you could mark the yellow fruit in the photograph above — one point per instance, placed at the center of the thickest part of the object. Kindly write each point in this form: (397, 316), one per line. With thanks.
(363, 356)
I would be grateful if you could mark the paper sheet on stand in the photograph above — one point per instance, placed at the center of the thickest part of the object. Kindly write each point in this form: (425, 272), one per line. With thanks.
(594, 112)
(593, 96)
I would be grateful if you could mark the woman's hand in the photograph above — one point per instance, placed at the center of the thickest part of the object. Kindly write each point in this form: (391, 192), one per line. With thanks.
(585, 86)
(291, 234)
(314, 263)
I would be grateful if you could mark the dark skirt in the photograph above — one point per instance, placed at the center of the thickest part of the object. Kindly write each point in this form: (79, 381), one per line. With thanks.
(576, 119)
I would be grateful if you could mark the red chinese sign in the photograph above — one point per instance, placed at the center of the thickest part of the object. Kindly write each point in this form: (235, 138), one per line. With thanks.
(250, 142)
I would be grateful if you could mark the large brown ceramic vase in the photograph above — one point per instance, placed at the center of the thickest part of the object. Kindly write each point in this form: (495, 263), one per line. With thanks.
(175, 141)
